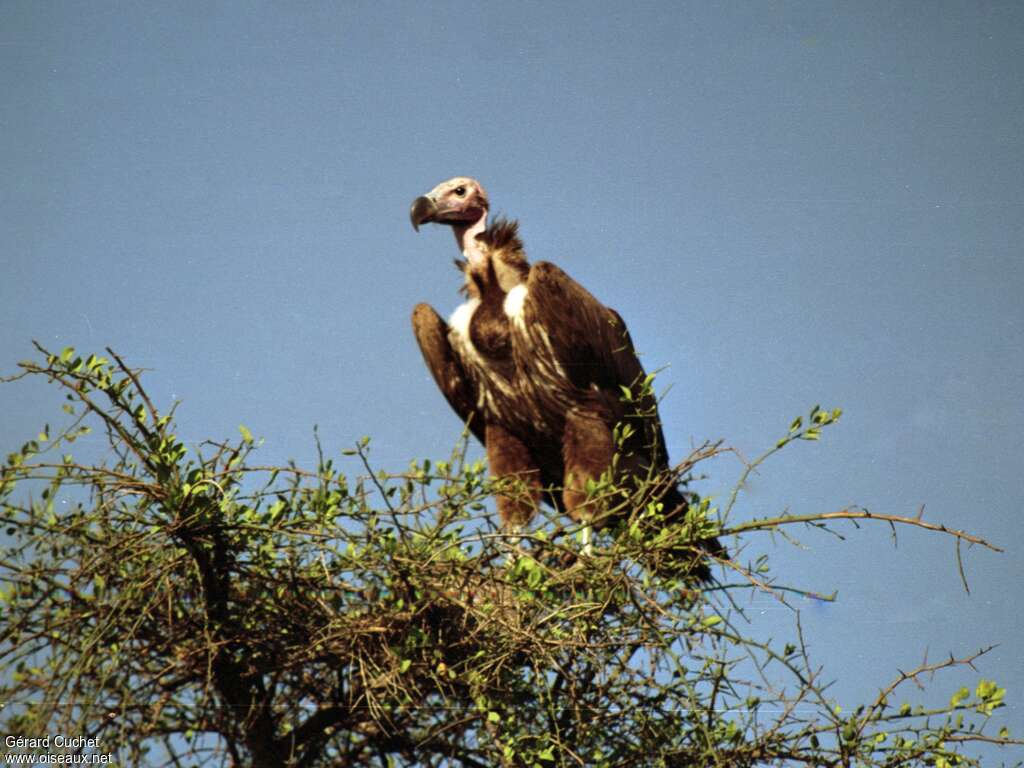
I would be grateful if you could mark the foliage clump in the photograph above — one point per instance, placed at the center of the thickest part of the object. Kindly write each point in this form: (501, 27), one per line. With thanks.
(185, 605)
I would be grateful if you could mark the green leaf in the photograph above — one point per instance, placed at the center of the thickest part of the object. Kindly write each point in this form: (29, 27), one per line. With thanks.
(959, 696)
(797, 423)
(246, 434)
(493, 717)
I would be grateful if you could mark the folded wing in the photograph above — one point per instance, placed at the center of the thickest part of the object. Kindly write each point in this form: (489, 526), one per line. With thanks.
(432, 336)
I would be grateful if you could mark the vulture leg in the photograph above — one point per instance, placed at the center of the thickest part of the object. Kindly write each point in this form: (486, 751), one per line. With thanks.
(432, 336)
(509, 459)
(588, 449)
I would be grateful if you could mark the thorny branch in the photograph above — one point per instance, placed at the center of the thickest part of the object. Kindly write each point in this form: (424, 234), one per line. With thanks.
(249, 615)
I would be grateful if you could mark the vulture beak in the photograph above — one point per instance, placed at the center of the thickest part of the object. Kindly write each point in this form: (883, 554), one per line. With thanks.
(423, 210)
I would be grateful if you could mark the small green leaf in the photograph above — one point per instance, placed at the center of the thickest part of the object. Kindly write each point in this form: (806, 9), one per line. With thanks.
(246, 434)
(493, 717)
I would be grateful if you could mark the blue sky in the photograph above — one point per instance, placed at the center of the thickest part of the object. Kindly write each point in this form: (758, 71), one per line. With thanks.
(789, 203)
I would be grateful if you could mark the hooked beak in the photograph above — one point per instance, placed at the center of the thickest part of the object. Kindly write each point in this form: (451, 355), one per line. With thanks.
(423, 210)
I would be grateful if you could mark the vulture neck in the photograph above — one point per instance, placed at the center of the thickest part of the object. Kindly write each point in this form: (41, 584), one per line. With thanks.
(465, 236)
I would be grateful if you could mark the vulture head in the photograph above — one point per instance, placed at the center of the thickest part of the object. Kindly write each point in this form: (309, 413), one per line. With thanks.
(459, 202)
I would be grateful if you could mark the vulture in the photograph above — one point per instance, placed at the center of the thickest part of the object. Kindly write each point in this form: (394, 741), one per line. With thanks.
(540, 370)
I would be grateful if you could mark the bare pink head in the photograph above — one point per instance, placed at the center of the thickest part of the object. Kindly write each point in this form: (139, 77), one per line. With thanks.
(461, 201)
(462, 204)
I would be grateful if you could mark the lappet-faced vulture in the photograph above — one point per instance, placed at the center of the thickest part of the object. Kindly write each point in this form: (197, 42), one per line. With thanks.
(539, 369)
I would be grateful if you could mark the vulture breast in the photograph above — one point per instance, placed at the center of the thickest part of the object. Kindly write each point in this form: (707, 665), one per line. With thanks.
(483, 345)
(520, 382)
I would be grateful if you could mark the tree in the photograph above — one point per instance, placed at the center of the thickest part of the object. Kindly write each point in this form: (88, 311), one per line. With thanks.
(190, 606)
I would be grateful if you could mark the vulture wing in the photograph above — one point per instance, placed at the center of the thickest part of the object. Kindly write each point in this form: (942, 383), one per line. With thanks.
(591, 343)
(432, 335)
(589, 340)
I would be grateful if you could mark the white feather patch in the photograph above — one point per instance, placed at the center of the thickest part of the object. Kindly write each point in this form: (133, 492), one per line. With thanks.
(459, 321)
(514, 301)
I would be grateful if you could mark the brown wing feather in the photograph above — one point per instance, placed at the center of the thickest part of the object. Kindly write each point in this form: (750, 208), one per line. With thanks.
(432, 336)
(588, 337)
(591, 342)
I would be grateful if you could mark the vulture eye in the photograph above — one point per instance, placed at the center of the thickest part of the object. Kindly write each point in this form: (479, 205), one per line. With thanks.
(460, 191)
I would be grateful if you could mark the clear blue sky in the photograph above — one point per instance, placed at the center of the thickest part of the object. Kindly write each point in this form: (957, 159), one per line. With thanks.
(790, 203)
